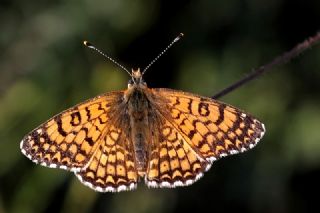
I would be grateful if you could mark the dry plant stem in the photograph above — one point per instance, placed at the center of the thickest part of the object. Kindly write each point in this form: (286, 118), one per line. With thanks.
(282, 59)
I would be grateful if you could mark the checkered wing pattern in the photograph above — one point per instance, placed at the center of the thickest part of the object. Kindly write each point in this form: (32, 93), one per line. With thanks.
(172, 162)
(195, 132)
(87, 140)
(112, 167)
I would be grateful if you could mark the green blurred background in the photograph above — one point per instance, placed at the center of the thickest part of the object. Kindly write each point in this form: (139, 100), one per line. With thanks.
(44, 68)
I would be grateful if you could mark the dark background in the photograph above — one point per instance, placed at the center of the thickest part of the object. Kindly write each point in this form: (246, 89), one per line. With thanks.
(44, 68)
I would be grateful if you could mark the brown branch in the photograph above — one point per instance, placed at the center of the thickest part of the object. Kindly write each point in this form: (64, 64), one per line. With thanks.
(282, 59)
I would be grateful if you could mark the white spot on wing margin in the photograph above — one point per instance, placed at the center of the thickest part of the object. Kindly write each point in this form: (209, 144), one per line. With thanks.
(120, 188)
(166, 184)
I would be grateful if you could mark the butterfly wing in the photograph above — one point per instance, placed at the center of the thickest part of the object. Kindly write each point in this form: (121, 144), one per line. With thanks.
(69, 139)
(200, 127)
(112, 166)
(90, 140)
(172, 162)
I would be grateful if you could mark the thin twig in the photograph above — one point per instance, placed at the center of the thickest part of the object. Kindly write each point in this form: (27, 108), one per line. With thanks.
(282, 59)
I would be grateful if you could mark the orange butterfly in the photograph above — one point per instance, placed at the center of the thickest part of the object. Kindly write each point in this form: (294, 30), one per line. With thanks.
(168, 137)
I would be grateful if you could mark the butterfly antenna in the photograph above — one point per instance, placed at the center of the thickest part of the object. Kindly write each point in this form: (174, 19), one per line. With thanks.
(165, 50)
(88, 44)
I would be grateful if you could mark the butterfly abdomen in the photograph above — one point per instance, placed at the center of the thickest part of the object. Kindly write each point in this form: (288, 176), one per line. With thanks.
(138, 113)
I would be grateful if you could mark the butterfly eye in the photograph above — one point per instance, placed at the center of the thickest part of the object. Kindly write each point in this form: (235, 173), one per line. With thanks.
(137, 81)
(130, 83)
(143, 82)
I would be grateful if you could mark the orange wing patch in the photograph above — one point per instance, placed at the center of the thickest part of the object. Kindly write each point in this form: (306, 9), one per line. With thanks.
(172, 161)
(69, 139)
(211, 128)
(112, 167)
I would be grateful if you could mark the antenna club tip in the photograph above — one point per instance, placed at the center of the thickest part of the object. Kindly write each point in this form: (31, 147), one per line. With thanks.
(178, 37)
(87, 43)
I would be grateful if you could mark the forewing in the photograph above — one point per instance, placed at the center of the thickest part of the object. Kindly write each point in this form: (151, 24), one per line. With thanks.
(69, 139)
(213, 129)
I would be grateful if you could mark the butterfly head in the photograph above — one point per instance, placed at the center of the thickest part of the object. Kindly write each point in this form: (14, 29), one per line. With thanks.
(136, 80)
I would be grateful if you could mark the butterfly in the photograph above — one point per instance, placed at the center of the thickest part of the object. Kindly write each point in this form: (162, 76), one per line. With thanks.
(167, 137)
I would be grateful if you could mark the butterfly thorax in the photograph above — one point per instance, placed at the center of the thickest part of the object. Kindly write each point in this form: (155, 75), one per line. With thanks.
(138, 104)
